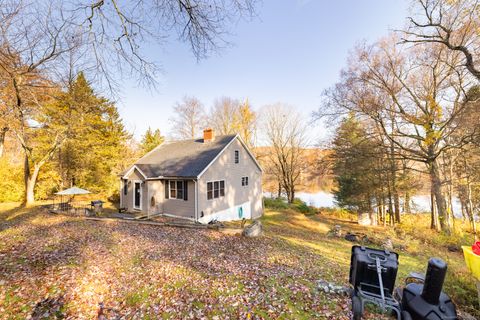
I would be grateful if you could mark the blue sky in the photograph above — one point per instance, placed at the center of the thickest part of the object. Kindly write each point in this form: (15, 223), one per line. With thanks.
(290, 53)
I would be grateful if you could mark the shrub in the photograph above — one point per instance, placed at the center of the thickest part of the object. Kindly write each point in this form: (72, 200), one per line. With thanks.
(298, 202)
(48, 182)
(302, 207)
(11, 181)
(340, 213)
(114, 198)
(275, 203)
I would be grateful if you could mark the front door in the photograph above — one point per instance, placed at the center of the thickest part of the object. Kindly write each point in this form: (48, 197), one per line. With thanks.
(137, 199)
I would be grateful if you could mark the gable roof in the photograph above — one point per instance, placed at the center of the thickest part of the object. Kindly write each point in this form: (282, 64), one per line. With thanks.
(186, 158)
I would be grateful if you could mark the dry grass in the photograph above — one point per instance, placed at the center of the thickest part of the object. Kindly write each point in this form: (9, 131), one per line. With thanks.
(60, 266)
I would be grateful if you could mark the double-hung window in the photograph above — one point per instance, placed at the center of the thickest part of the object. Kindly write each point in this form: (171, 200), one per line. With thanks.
(176, 189)
(215, 189)
(244, 181)
(180, 189)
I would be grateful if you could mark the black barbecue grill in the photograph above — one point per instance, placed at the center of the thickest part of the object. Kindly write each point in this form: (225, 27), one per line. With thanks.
(372, 275)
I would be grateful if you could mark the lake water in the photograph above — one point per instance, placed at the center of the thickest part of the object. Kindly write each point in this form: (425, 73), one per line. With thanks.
(420, 203)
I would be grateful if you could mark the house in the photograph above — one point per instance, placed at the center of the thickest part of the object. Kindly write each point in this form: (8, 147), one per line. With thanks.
(214, 178)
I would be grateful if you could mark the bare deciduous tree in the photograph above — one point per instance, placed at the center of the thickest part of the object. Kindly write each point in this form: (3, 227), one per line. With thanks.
(453, 24)
(44, 44)
(224, 116)
(414, 97)
(230, 116)
(189, 118)
(285, 133)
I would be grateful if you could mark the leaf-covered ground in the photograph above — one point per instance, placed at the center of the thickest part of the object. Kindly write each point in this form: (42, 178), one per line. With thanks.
(65, 267)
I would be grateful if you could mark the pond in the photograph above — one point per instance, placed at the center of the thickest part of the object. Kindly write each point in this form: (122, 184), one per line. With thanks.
(419, 203)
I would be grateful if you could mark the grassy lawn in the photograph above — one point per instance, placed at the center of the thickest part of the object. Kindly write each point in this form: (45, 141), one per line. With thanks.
(65, 267)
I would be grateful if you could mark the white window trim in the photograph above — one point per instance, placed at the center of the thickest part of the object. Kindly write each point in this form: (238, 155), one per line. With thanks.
(141, 194)
(213, 189)
(176, 188)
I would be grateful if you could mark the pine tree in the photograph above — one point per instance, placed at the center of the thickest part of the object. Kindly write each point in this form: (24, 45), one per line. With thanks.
(95, 139)
(150, 140)
(355, 166)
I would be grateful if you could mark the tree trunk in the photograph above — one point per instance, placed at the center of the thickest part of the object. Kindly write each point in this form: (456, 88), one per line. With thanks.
(396, 205)
(434, 224)
(369, 203)
(290, 194)
(393, 174)
(463, 208)
(384, 213)
(377, 201)
(390, 206)
(30, 181)
(450, 188)
(406, 205)
(436, 189)
(279, 190)
(3, 133)
(470, 211)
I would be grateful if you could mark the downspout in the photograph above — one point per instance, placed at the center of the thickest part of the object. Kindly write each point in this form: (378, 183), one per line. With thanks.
(196, 200)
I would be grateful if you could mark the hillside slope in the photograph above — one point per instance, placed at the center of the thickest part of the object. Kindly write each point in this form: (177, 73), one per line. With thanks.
(60, 266)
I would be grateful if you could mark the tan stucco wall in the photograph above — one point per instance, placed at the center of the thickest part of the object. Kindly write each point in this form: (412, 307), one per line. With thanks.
(180, 207)
(225, 168)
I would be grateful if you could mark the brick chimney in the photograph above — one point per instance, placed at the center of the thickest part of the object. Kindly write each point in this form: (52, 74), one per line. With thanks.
(208, 135)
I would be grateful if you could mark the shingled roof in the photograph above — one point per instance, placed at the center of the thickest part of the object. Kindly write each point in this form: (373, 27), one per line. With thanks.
(186, 158)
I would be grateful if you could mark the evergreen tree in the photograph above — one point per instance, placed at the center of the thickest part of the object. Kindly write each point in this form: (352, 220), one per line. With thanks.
(150, 140)
(355, 166)
(95, 139)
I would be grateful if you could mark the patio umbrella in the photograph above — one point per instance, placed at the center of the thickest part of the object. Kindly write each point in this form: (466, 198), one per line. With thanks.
(72, 191)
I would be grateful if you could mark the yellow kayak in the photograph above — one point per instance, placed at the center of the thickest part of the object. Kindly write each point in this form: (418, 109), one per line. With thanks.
(472, 261)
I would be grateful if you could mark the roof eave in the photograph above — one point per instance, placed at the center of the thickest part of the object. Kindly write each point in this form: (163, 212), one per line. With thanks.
(125, 176)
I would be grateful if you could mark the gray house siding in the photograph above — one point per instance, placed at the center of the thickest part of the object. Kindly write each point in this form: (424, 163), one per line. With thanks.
(225, 168)
(222, 168)
(127, 200)
(153, 197)
(180, 207)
